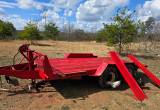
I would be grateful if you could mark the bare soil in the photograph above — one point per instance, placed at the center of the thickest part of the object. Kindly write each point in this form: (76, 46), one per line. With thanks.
(74, 94)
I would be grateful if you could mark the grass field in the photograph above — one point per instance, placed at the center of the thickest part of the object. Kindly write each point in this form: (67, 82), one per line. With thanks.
(75, 94)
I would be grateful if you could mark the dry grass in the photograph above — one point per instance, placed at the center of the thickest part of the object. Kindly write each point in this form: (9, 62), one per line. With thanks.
(143, 47)
(61, 47)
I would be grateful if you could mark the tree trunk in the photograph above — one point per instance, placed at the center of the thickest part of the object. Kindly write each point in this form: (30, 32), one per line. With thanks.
(120, 44)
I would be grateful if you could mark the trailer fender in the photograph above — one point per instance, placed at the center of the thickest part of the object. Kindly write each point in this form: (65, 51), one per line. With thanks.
(100, 69)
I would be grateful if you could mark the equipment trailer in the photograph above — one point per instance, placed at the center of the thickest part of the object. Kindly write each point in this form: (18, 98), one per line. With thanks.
(110, 71)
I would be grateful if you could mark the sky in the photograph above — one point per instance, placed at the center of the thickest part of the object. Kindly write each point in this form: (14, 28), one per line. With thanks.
(82, 14)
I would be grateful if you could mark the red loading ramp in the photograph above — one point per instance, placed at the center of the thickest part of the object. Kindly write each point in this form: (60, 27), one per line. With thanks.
(145, 70)
(128, 77)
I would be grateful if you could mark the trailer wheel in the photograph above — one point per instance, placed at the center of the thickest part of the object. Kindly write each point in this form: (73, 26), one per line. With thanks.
(109, 75)
(137, 75)
(132, 70)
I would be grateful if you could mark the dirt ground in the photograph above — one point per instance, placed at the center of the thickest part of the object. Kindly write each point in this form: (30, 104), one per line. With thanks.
(74, 94)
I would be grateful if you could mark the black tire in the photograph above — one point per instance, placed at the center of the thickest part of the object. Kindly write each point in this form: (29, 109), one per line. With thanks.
(132, 69)
(110, 74)
(139, 77)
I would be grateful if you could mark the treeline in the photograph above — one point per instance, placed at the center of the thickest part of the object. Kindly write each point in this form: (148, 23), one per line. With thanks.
(49, 31)
(7, 30)
(77, 35)
(32, 32)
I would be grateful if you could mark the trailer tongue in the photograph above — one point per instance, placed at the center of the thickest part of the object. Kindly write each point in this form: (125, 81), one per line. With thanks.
(110, 71)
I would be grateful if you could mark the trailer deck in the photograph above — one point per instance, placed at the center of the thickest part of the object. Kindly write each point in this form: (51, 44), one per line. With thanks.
(107, 69)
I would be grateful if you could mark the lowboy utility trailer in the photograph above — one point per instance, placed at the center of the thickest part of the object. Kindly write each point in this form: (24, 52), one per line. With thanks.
(110, 71)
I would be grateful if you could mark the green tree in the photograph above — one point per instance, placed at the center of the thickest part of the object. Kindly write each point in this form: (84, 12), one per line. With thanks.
(7, 30)
(101, 35)
(51, 31)
(122, 30)
(125, 26)
(30, 32)
(112, 33)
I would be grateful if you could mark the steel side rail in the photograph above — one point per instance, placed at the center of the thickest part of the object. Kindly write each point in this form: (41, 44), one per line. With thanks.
(23, 74)
(145, 70)
(138, 92)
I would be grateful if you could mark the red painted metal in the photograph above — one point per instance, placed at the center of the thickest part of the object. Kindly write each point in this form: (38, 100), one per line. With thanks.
(145, 70)
(74, 65)
(51, 69)
(128, 77)
(22, 71)
(100, 69)
(80, 55)
(39, 66)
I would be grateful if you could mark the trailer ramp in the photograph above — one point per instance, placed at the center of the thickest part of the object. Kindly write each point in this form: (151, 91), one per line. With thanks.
(138, 92)
(145, 70)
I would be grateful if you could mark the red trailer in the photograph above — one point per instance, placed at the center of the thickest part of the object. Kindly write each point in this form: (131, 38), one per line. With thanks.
(110, 71)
